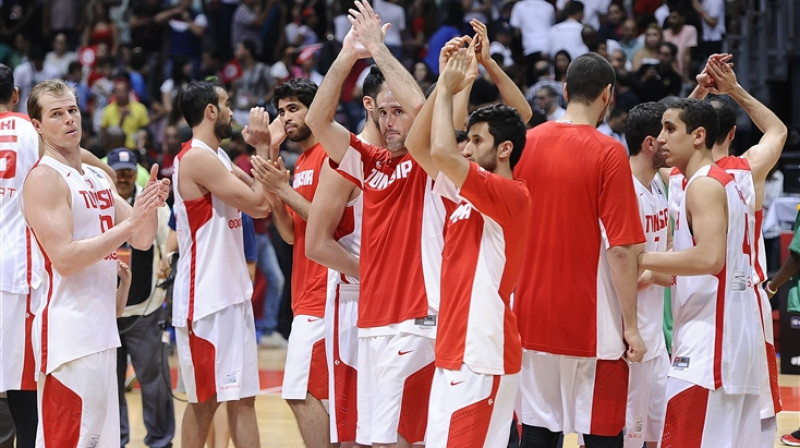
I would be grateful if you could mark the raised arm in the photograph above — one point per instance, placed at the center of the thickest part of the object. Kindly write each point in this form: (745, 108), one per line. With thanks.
(764, 155)
(327, 208)
(367, 27)
(334, 137)
(444, 148)
(509, 91)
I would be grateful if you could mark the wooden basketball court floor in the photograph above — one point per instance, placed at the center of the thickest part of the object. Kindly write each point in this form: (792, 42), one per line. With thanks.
(278, 428)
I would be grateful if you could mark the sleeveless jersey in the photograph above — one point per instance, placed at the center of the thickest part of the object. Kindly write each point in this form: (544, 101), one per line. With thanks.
(717, 330)
(484, 243)
(655, 223)
(401, 235)
(78, 317)
(20, 260)
(211, 273)
(309, 279)
(348, 234)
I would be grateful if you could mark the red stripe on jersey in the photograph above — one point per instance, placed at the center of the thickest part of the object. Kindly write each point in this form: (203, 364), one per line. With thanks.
(609, 397)
(470, 425)
(28, 363)
(14, 114)
(318, 371)
(62, 410)
(772, 367)
(345, 379)
(733, 163)
(46, 312)
(719, 326)
(685, 419)
(719, 174)
(198, 212)
(756, 243)
(414, 406)
(204, 356)
(8, 138)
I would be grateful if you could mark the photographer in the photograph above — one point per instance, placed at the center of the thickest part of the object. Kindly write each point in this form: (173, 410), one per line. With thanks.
(656, 81)
(141, 325)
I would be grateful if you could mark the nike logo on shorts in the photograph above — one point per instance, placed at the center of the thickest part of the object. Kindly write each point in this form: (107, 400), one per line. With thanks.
(312, 319)
(455, 383)
(401, 353)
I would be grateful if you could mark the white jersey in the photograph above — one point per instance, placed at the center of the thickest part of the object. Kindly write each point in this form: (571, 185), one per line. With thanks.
(717, 329)
(650, 303)
(20, 259)
(211, 273)
(348, 234)
(78, 317)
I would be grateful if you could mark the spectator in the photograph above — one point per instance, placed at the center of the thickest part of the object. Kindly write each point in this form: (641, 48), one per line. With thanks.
(145, 31)
(101, 29)
(657, 81)
(532, 19)
(594, 11)
(30, 72)
(614, 125)
(255, 87)
(561, 62)
(629, 40)
(391, 11)
(546, 102)
(448, 30)
(503, 37)
(567, 34)
(610, 28)
(60, 57)
(423, 76)
(186, 28)
(306, 66)
(712, 15)
(544, 77)
(684, 36)
(64, 17)
(649, 52)
(124, 111)
(247, 21)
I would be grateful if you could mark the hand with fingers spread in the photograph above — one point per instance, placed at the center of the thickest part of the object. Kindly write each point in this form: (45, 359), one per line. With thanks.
(482, 52)
(454, 76)
(257, 131)
(273, 175)
(367, 25)
(352, 45)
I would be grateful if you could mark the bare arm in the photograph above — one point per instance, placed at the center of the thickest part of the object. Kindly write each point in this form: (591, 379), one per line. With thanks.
(90, 159)
(790, 268)
(706, 205)
(281, 218)
(444, 148)
(334, 137)
(367, 27)
(49, 214)
(624, 271)
(509, 91)
(327, 208)
(124, 287)
(275, 178)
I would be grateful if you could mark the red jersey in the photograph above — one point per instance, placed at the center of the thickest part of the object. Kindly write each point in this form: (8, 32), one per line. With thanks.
(484, 242)
(401, 242)
(581, 180)
(309, 279)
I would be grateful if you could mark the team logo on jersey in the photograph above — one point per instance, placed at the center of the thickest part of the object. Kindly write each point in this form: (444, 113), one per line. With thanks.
(741, 281)
(680, 363)
(462, 212)
(656, 221)
(303, 179)
(8, 164)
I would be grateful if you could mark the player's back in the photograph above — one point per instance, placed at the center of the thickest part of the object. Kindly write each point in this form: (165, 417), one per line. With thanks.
(211, 272)
(579, 180)
(20, 261)
(717, 330)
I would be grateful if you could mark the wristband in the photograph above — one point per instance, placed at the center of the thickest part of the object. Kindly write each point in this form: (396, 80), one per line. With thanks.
(768, 288)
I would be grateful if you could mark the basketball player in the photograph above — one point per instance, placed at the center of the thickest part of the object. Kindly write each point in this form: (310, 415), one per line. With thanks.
(648, 379)
(713, 384)
(585, 223)
(212, 312)
(20, 264)
(79, 222)
(305, 379)
(478, 350)
(750, 171)
(399, 298)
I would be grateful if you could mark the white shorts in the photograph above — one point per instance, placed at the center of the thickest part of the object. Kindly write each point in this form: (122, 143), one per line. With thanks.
(698, 417)
(341, 344)
(306, 370)
(573, 394)
(647, 400)
(218, 356)
(394, 385)
(78, 403)
(17, 364)
(469, 409)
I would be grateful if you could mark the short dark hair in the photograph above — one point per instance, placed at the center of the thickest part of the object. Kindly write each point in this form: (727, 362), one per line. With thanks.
(726, 114)
(6, 83)
(573, 7)
(697, 114)
(587, 76)
(373, 82)
(194, 98)
(672, 47)
(302, 89)
(505, 123)
(643, 121)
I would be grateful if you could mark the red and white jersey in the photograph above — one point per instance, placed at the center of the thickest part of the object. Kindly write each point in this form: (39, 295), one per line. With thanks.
(484, 242)
(348, 234)
(211, 273)
(401, 235)
(20, 260)
(309, 278)
(581, 180)
(78, 317)
(650, 304)
(717, 335)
